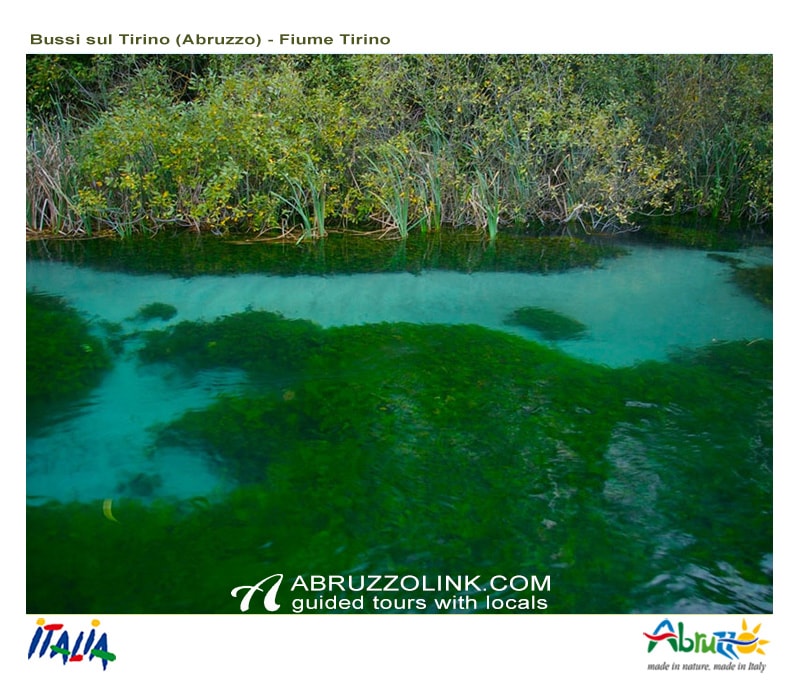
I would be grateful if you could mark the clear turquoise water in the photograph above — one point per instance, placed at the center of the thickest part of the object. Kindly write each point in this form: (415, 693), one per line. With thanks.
(637, 308)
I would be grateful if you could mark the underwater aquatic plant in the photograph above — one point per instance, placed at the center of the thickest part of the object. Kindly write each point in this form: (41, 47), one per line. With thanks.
(756, 281)
(551, 324)
(156, 310)
(140, 485)
(386, 447)
(63, 359)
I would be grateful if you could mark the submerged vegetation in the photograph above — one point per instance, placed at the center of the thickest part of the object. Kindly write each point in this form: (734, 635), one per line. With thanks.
(756, 281)
(156, 310)
(302, 145)
(550, 324)
(64, 360)
(427, 449)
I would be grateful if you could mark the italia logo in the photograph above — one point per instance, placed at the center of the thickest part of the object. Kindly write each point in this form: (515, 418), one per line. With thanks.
(54, 639)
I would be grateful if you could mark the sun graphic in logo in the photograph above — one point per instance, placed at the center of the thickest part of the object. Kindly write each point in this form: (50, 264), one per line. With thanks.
(749, 641)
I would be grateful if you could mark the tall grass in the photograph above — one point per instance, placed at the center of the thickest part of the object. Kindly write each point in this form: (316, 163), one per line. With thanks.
(312, 188)
(51, 181)
(431, 193)
(486, 201)
(718, 176)
(432, 179)
(297, 204)
(316, 186)
(395, 184)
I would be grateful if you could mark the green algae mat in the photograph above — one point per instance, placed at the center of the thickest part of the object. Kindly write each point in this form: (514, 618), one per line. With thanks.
(414, 452)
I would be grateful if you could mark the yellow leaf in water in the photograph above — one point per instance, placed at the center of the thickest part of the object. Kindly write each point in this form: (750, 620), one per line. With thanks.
(107, 510)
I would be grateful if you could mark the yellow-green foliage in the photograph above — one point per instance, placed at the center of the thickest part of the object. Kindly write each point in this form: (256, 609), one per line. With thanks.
(211, 163)
(258, 143)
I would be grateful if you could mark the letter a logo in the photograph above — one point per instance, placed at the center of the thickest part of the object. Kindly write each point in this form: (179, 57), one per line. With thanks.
(659, 636)
(269, 596)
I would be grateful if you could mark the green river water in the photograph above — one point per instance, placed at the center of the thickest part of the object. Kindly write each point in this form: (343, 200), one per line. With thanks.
(203, 414)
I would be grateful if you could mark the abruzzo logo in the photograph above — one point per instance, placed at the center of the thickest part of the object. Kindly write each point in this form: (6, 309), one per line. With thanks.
(55, 639)
(726, 643)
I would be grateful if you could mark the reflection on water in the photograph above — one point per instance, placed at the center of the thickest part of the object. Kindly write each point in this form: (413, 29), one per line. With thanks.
(338, 445)
(638, 307)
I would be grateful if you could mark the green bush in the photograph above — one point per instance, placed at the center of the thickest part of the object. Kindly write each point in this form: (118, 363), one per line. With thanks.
(266, 144)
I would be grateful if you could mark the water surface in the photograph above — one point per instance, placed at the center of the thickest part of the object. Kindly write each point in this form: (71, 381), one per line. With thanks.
(639, 308)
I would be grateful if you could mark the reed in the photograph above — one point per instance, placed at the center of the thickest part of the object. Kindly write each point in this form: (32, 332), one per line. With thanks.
(431, 194)
(297, 204)
(718, 178)
(312, 188)
(486, 201)
(51, 181)
(395, 184)
(431, 178)
(316, 186)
